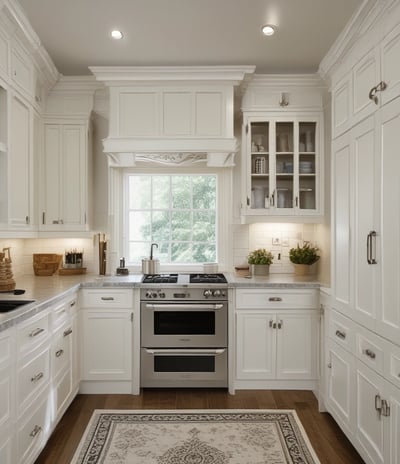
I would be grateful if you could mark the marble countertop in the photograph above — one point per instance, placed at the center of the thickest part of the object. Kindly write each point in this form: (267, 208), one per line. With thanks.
(48, 290)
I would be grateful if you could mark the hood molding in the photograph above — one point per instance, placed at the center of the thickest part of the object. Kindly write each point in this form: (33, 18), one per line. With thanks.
(170, 111)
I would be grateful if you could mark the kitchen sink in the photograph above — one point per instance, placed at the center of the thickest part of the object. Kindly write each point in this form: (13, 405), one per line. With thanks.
(9, 305)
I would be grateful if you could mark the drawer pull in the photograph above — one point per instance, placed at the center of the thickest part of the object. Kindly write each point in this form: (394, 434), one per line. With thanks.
(59, 353)
(67, 332)
(37, 377)
(107, 298)
(73, 303)
(275, 298)
(280, 324)
(378, 403)
(369, 353)
(385, 408)
(37, 429)
(36, 332)
(340, 334)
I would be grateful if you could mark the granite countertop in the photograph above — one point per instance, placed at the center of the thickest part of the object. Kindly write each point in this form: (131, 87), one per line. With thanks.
(48, 290)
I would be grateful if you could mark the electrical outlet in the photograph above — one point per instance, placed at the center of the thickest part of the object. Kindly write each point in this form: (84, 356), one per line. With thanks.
(276, 241)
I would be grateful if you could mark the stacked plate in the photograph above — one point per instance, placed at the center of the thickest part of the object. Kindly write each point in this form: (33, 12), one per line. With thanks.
(306, 167)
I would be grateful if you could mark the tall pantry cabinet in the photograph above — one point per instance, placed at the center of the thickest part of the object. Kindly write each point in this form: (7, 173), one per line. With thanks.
(363, 323)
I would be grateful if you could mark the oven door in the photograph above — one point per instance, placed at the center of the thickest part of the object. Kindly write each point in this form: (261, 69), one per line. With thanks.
(178, 325)
(184, 368)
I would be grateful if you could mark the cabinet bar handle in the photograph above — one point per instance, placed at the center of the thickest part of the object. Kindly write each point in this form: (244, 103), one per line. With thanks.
(271, 323)
(43, 218)
(275, 298)
(36, 332)
(67, 332)
(107, 298)
(340, 334)
(272, 199)
(37, 429)
(280, 324)
(378, 403)
(371, 237)
(369, 353)
(37, 377)
(59, 353)
(385, 408)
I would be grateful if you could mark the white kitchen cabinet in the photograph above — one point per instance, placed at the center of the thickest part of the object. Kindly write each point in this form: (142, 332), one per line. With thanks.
(340, 384)
(275, 345)
(283, 165)
(20, 169)
(106, 340)
(66, 177)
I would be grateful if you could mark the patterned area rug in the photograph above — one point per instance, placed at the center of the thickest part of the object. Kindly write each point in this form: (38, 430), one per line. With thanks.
(195, 437)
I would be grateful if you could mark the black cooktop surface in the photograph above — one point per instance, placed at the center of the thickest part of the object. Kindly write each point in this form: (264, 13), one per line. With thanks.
(207, 279)
(160, 279)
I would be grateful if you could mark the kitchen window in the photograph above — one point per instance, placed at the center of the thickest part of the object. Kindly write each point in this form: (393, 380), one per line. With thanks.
(176, 211)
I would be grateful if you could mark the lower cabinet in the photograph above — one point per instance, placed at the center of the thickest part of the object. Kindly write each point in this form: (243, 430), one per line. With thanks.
(106, 341)
(364, 402)
(275, 348)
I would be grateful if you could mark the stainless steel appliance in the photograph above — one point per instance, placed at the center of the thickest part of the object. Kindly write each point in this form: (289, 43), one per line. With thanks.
(184, 330)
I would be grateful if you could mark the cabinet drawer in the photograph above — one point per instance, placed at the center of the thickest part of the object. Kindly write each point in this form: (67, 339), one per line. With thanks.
(270, 299)
(61, 350)
(32, 432)
(62, 391)
(62, 311)
(370, 349)
(342, 331)
(106, 298)
(33, 333)
(6, 346)
(32, 377)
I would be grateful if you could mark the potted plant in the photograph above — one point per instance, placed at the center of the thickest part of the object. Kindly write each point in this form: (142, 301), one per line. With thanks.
(260, 261)
(303, 258)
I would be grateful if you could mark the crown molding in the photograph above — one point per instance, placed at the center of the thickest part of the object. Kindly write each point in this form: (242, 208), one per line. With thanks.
(369, 13)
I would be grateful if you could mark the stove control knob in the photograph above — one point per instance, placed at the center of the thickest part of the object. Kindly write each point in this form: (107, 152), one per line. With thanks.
(154, 295)
(217, 293)
(207, 293)
(161, 295)
(149, 294)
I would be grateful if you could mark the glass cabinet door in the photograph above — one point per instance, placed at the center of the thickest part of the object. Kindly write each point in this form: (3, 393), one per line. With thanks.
(260, 164)
(307, 166)
(284, 165)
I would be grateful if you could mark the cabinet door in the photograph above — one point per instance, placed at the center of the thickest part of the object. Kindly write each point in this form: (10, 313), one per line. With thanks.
(296, 345)
(388, 241)
(255, 345)
(64, 196)
(372, 426)
(340, 392)
(366, 214)
(106, 344)
(341, 213)
(20, 170)
(393, 396)
(390, 65)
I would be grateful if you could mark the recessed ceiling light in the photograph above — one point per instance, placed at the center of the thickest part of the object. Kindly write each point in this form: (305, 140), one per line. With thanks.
(116, 34)
(268, 29)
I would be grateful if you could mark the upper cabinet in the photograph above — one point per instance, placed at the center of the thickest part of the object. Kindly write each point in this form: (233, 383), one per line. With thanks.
(66, 170)
(282, 156)
(370, 79)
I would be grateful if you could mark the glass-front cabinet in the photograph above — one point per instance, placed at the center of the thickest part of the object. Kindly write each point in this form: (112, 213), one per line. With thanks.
(283, 165)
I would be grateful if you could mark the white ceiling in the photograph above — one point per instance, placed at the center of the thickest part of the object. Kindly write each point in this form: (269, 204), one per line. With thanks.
(188, 32)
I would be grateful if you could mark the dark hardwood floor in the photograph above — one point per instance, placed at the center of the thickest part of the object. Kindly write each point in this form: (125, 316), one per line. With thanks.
(330, 444)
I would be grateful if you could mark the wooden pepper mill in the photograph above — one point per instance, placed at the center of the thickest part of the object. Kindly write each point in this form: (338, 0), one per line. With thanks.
(7, 282)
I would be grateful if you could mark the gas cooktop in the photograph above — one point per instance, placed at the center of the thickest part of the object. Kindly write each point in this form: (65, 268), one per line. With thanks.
(184, 279)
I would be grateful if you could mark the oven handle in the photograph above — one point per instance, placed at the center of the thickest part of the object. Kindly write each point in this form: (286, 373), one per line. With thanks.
(190, 351)
(184, 307)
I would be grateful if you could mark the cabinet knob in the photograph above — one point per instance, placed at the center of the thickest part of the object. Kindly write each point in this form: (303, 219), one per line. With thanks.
(59, 353)
(37, 429)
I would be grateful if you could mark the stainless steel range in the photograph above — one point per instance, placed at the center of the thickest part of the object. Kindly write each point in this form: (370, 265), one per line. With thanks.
(184, 330)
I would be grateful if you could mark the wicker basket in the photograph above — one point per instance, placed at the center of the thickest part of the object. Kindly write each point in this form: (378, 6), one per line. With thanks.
(46, 264)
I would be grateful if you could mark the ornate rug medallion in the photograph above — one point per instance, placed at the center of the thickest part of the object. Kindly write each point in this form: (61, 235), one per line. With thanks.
(195, 437)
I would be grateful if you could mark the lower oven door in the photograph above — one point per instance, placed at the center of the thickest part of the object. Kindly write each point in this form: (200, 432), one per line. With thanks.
(176, 368)
(191, 325)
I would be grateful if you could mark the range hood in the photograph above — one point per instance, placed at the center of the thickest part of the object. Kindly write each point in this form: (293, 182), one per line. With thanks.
(177, 115)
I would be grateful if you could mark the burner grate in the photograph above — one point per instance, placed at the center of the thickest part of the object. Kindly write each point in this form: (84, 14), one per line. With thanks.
(207, 279)
(160, 279)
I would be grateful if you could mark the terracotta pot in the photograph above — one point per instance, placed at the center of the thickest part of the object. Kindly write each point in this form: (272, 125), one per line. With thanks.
(259, 269)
